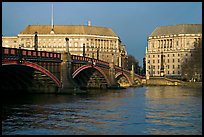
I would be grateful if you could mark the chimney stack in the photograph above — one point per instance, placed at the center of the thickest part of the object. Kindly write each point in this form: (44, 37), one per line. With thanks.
(89, 23)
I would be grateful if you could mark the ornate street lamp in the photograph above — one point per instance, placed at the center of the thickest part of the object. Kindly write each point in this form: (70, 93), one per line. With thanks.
(67, 45)
(36, 41)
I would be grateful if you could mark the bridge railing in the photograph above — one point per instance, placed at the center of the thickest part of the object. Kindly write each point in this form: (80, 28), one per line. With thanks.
(127, 71)
(14, 53)
(122, 69)
(88, 59)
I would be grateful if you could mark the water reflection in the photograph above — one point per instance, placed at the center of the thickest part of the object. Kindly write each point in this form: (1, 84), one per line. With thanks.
(176, 108)
(151, 110)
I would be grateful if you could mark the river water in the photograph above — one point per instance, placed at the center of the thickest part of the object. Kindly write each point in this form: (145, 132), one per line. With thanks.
(164, 110)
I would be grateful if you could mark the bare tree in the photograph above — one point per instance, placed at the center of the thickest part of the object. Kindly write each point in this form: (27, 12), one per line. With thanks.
(135, 62)
(192, 69)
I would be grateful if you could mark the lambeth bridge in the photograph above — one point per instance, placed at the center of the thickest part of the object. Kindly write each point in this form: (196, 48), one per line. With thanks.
(41, 71)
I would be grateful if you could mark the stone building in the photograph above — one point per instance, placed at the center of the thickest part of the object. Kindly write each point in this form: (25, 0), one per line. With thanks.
(84, 40)
(168, 47)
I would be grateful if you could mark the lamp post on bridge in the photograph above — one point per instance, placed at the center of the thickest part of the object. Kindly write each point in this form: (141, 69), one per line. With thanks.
(68, 55)
(67, 45)
(97, 53)
(36, 41)
(84, 53)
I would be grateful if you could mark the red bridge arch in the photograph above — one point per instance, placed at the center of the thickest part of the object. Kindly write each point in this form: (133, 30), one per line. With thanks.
(90, 66)
(35, 66)
(122, 73)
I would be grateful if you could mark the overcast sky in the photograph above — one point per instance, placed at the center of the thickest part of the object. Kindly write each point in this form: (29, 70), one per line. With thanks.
(133, 22)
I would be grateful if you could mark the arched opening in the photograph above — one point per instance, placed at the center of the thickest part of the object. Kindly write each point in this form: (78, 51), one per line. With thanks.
(123, 80)
(90, 77)
(20, 78)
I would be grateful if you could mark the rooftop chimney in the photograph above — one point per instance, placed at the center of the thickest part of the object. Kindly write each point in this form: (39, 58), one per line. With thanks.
(89, 23)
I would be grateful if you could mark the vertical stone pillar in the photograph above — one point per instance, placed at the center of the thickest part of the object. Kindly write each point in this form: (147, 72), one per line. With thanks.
(84, 52)
(112, 72)
(66, 71)
(132, 73)
(36, 42)
(162, 65)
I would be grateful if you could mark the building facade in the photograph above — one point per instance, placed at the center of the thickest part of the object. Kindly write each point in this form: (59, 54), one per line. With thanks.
(90, 41)
(170, 46)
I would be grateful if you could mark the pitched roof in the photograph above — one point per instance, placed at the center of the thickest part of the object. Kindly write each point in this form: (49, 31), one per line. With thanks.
(178, 29)
(69, 29)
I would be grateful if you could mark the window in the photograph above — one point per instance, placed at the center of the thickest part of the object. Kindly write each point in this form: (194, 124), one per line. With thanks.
(173, 66)
(158, 60)
(75, 44)
(173, 55)
(187, 43)
(148, 61)
(178, 66)
(173, 60)
(173, 72)
(178, 60)
(177, 43)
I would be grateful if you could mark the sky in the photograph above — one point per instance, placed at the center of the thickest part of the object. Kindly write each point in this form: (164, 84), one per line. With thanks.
(133, 22)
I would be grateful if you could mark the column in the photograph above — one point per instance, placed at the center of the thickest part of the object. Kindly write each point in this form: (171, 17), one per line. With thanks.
(168, 43)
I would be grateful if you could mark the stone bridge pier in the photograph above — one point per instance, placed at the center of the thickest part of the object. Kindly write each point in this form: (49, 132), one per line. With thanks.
(66, 77)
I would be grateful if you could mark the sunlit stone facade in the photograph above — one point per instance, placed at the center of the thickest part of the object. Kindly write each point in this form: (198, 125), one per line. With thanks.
(175, 43)
(97, 42)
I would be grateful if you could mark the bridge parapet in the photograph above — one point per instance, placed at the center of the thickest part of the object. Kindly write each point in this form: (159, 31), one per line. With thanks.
(87, 60)
(17, 54)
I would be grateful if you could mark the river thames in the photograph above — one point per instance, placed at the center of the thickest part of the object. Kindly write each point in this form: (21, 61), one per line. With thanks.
(162, 110)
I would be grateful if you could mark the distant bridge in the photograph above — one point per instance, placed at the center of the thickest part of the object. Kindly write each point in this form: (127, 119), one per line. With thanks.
(36, 70)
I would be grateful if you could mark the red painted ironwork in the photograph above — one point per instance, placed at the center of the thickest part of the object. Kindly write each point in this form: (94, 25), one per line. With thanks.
(12, 51)
(29, 53)
(8, 62)
(6, 51)
(24, 53)
(35, 66)
(34, 53)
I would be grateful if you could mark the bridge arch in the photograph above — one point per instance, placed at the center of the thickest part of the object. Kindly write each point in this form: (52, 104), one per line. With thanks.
(35, 66)
(84, 67)
(123, 74)
(137, 80)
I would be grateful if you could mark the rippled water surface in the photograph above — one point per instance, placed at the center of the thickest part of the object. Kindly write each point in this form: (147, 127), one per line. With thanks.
(145, 110)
